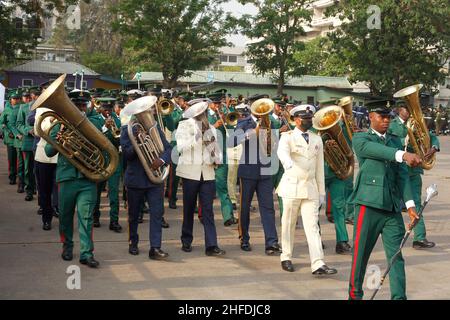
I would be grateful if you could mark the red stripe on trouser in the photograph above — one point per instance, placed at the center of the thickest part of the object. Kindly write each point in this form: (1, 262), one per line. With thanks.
(328, 202)
(199, 209)
(362, 211)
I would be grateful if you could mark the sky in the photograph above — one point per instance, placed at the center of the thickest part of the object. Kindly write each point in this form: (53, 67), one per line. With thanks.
(237, 9)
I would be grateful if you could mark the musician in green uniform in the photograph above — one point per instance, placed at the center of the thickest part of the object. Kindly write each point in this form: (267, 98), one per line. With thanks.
(75, 192)
(381, 183)
(27, 146)
(216, 118)
(398, 128)
(110, 124)
(8, 134)
(18, 143)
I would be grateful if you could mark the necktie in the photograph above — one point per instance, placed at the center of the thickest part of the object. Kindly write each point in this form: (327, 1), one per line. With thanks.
(306, 136)
(383, 139)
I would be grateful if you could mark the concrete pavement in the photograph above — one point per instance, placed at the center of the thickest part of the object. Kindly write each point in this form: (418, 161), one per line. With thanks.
(31, 267)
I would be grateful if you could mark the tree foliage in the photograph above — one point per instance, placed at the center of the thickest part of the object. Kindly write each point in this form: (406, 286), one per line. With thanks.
(178, 35)
(275, 31)
(411, 46)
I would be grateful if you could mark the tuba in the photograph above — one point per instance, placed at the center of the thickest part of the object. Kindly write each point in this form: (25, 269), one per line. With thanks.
(337, 152)
(346, 103)
(81, 143)
(144, 135)
(262, 108)
(418, 134)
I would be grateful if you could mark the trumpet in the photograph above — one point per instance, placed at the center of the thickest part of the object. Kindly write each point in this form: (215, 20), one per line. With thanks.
(114, 130)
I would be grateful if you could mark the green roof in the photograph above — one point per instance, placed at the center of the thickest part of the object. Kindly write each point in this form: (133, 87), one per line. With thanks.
(250, 79)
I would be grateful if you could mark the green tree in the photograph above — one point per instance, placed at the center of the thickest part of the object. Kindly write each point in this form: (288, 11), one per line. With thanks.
(411, 45)
(318, 59)
(178, 35)
(275, 31)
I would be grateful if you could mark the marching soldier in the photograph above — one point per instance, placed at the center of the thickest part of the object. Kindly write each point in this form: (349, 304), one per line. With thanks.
(141, 189)
(398, 128)
(381, 183)
(27, 131)
(302, 188)
(110, 123)
(75, 191)
(199, 153)
(255, 174)
(216, 118)
(17, 138)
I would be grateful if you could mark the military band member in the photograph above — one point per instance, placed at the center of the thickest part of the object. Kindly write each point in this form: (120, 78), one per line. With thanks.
(75, 192)
(140, 189)
(18, 143)
(216, 118)
(398, 128)
(26, 132)
(199, 154)
(302, 188)
(255, 174)
(110, 123)
(381, 183)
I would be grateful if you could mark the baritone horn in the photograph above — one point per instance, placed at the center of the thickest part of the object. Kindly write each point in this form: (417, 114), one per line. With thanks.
(418, 133)
(144, 136)
(346, 103)
(81, 143)
(262, 108)
(337, 151)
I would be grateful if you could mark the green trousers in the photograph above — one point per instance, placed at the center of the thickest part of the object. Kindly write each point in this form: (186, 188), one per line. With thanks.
(337, 189)
(12, 162)
(172, 183)
(369, 224)
(276, 178)
(222, 192)
(79, 194)
(113, 195)
(28, 168)
(20, 167)
(349, 206)
(420, 232)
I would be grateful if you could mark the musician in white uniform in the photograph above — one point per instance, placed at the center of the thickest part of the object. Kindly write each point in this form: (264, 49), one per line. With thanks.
(302, 188)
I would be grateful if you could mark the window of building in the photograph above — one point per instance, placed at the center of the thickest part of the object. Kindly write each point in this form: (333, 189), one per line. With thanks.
(232, 59)
(223, 58)
(70, 84)
(310, 100)
(84, 84)
(27, 82)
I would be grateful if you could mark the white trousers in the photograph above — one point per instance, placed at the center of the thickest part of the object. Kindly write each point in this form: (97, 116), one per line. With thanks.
(233, 155)
(309, 210)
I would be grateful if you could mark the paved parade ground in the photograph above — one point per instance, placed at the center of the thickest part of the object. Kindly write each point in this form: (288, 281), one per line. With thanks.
(31, 266)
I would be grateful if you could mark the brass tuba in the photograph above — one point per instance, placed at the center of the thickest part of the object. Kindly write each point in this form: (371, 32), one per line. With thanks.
(346, 103)
(337, 152)
(262, 108)
(144, 135)
(418, 133)
(81, 143)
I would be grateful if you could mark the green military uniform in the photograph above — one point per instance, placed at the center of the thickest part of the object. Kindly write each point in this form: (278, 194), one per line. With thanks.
(276, 177)
(17, 143)
(75, 191)
(114, 180)
(222, 173)
(8, 140)
(380, 185)
(398, 128)
(27, 149)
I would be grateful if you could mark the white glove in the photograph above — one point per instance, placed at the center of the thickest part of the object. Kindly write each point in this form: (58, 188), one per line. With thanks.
(321, 201)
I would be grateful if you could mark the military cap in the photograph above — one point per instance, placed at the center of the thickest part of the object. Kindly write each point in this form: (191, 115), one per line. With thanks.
(303, 111)
(26, 93)
(15, 94)
(155, 90)
(257, 97)
(279, 100)
(107, 102)
(216, 97)
(36, 90)
(78, 96)
(123, 93)
(328, 102)
(379, 106)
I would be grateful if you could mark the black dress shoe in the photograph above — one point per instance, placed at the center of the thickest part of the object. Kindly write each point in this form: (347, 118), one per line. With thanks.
(423, 244)
(133, 249)
(230, 222)
(324, 270)
(157, 254)
(186, 247)
(67, 255)
(90, 262)
(287, 266)
(11, 182)
(115, 226)
(28, 197)
(275, 249)
(40, 211)
(96, 222)
(56, 212)
(234, 206)
(214, 251)
(245, 246)
(47, 226)
(164, 223)
(20, 189)
(343, 248)
(172, 204)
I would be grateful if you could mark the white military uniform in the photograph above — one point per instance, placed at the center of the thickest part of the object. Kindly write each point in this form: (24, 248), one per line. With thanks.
(302, 188)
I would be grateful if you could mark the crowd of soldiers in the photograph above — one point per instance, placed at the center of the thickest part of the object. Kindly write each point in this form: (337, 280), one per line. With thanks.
(303, 181)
